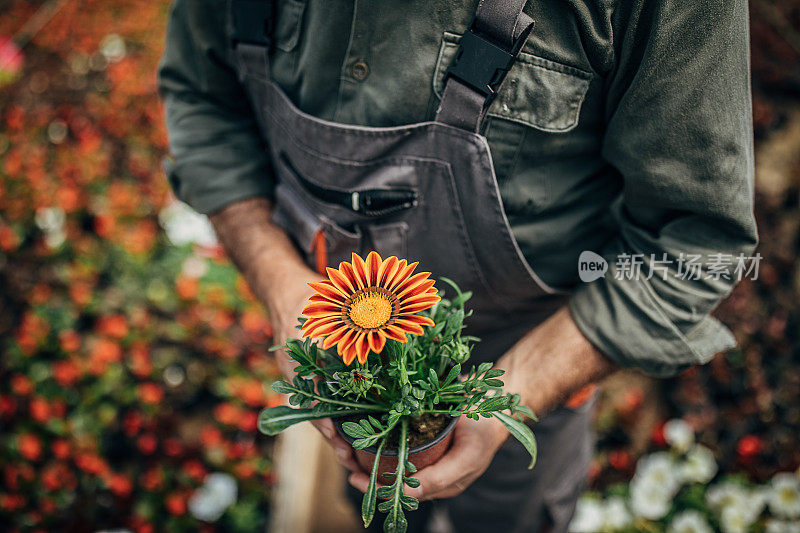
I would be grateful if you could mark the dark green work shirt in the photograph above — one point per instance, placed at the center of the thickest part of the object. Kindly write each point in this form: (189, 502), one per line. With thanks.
(623, 128)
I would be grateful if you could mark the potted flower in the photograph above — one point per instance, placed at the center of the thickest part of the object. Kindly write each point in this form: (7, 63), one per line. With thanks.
(390, 372)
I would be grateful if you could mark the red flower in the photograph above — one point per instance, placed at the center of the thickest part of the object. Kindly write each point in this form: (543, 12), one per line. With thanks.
(66, 373)
(147, 443)
(749, 446)
(60, 448)
(113, 326)
(29, 446)
(150, 393)
(152, 480)
(69, 340)
(176, 504)
(40, 410)
(21, 385)
(619, 459)
(120, 485)
(194, 469)
(173, 447)
(8, 405)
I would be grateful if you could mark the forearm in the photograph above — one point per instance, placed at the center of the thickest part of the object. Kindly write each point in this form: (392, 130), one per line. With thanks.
(551, 362)
(263, 253)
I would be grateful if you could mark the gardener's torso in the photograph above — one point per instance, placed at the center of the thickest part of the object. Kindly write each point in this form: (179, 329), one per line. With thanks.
(381, 64)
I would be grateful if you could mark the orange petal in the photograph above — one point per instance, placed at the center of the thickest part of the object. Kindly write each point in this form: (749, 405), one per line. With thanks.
(417, 319)
(322, 298)
(361, 346)
(340, 280)
(376, 340)
(348, 354)
(402, 276)
(420, 305)
(346, 340)
(387, 282)
(413, 284)
(325, 329)
(334, 337)
(387, 270)
(373, 264)
(320, 309)
(360, 268)
(408, 326)
(313, 323)
(395, 333)
(329, 290)
(347, 270)
(423, 287)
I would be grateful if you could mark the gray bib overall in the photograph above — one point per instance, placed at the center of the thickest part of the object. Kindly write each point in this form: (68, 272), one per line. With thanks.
(427, 192)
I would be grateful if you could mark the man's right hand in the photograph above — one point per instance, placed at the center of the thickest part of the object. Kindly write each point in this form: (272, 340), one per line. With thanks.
(279, 278)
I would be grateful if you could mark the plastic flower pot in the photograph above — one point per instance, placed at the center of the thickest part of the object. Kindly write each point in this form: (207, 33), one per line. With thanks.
(420, 456)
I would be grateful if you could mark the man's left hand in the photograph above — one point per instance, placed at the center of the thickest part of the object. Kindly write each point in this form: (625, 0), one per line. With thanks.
(474, 444)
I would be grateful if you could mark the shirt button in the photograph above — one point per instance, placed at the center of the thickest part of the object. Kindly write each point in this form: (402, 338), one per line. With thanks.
(360, 70)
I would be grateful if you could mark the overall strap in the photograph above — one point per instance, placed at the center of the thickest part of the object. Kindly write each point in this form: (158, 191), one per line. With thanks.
(250, 25)
(485, 54)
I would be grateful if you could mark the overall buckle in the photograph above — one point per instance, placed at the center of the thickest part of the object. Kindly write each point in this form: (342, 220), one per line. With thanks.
(481, 64)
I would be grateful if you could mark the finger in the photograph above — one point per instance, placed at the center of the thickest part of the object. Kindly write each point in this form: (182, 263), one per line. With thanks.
(444, 477)
(359, 480)
(325, 426)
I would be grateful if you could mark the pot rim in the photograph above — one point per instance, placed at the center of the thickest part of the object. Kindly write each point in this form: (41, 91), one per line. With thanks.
(392, 452)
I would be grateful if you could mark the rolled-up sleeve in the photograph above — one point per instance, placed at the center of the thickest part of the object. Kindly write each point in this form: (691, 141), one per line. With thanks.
(217, 155)
(679, 135)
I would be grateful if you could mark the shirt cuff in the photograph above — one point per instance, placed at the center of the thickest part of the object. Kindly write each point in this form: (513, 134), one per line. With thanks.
(625, 321)
(213, 184)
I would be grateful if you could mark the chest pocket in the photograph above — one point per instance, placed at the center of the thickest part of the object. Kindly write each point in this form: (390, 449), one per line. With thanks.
(537, 92)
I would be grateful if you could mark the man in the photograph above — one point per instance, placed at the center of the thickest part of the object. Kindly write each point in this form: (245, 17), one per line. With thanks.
(493, 151)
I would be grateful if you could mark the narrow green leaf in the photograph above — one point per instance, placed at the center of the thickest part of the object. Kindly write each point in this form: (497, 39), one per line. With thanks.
(281, 387)
(273, 420)
(522, 433)
(368, 503)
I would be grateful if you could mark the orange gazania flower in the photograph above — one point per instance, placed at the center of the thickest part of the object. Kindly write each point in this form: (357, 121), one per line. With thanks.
(363, 303)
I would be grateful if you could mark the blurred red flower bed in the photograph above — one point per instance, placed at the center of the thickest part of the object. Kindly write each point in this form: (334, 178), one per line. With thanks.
(131, 367)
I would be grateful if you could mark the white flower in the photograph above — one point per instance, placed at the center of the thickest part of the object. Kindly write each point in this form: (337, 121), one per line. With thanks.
(51, 220)
(616, 515)
(214, 497)
(185, 226)
(588, 517)
(778, 526)
(658, 469)
(649, 499)
(726, 494)
(735, 519)
(113, 47)
(784, 496)
(689, 522)
(699, 466)
(679, 435)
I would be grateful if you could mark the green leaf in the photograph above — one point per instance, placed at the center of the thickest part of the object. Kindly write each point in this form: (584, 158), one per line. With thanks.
(452, 375)
(409, 503)
(395, 518)
(368, 503)
(354, 430)
(493, 382)
(521, 432)
(281, 387)
(273, 420)
(412, 482)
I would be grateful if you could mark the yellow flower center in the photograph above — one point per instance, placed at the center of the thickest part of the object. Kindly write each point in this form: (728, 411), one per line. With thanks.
(370, 310)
